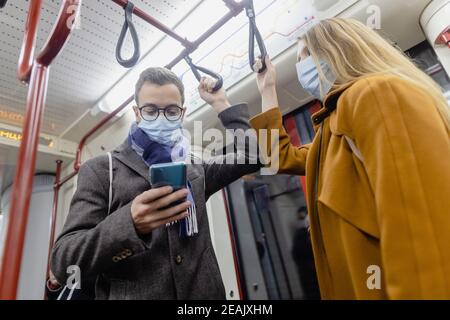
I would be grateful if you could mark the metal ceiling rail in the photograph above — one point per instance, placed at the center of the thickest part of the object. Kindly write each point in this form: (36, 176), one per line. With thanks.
(26, 57)
(154, 22)
(34, 71)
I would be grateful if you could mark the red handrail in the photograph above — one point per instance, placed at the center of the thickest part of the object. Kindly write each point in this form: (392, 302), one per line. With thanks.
(233, 246)
(36, 73)
(60, 33)
(26, 57)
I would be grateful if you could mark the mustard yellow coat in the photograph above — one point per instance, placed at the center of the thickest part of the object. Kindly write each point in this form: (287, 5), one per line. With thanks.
(383, 207)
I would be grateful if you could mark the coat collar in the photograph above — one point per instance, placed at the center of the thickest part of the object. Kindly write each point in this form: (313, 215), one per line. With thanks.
(125, 154)
(329, 104)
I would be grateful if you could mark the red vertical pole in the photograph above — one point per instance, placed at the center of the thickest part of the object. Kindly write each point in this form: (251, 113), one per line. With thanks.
(233, 246)
(55, 211)
(23, 183)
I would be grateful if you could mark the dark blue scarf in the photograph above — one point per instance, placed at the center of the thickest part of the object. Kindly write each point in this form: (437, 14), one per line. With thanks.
(153, 152)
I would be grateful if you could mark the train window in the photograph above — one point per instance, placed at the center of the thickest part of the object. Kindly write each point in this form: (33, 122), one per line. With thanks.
(270, 224)
(427, 60)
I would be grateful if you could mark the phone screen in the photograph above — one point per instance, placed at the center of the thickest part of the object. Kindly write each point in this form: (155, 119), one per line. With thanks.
(168, 174)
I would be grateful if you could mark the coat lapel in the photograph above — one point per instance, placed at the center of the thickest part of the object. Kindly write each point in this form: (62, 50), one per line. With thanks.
(125, 154)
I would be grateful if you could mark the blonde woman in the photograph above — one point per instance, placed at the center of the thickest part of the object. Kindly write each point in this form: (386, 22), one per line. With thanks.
(378, 170)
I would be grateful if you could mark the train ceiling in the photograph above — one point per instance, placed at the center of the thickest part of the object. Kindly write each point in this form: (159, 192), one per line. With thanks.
(87, 67)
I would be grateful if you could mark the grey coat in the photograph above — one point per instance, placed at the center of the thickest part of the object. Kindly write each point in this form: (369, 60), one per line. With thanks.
(160, 265)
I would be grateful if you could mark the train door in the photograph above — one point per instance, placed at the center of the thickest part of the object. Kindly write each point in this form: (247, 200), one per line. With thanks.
(270, 224)
(427, 60)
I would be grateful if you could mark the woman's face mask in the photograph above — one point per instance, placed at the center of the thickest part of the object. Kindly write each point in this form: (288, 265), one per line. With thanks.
(162, 130)
(308, 76)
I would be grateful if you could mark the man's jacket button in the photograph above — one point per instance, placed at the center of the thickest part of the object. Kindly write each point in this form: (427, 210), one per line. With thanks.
(179, 259)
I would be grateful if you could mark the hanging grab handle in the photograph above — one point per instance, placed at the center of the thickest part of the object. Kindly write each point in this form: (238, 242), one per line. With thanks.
(195, 70)
(128, 24)
(254, 33)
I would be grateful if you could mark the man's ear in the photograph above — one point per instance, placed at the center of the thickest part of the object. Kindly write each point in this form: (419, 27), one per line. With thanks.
(137, 114)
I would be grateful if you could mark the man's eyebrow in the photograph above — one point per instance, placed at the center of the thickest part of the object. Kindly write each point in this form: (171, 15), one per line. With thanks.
(148, 105)
(173, 105)
(154, 105)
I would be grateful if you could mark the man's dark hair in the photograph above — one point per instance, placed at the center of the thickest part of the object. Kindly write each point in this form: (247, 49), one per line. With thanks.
(160, 77)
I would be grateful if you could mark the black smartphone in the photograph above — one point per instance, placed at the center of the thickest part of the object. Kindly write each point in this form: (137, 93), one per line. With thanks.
(168, 174)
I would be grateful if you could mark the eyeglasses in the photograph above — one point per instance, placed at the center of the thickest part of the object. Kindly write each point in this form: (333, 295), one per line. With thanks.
(151, 113)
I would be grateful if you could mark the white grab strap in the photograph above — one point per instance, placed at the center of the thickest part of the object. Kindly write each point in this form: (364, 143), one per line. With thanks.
(355, 150)
(110, 182)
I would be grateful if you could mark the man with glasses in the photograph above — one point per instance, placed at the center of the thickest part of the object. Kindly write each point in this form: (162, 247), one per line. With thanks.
(142, 248)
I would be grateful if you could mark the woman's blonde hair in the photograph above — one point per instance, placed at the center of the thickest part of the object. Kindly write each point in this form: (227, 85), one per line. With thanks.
(354, 50)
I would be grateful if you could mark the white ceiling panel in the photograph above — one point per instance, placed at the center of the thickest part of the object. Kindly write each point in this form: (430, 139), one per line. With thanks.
(87, 67)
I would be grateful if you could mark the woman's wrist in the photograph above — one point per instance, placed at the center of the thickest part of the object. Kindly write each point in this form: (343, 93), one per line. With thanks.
(269, 99)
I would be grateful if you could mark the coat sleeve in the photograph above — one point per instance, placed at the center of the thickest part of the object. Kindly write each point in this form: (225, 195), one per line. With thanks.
(223, 169)
(290, 159)
(91, 240)
(406, 153)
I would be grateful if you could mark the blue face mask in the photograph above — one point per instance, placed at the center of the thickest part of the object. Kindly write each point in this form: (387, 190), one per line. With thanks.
(308, 75)
(162, 130)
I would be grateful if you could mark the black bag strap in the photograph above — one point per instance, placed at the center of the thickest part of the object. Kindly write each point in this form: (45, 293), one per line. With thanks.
(195, 70)
(255, 34)
(128, 24)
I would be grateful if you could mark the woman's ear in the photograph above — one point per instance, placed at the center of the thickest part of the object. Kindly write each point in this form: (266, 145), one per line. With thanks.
(137, 114)
(302, 50)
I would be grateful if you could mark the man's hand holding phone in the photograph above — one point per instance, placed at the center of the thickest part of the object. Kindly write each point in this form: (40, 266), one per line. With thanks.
(146, 208)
